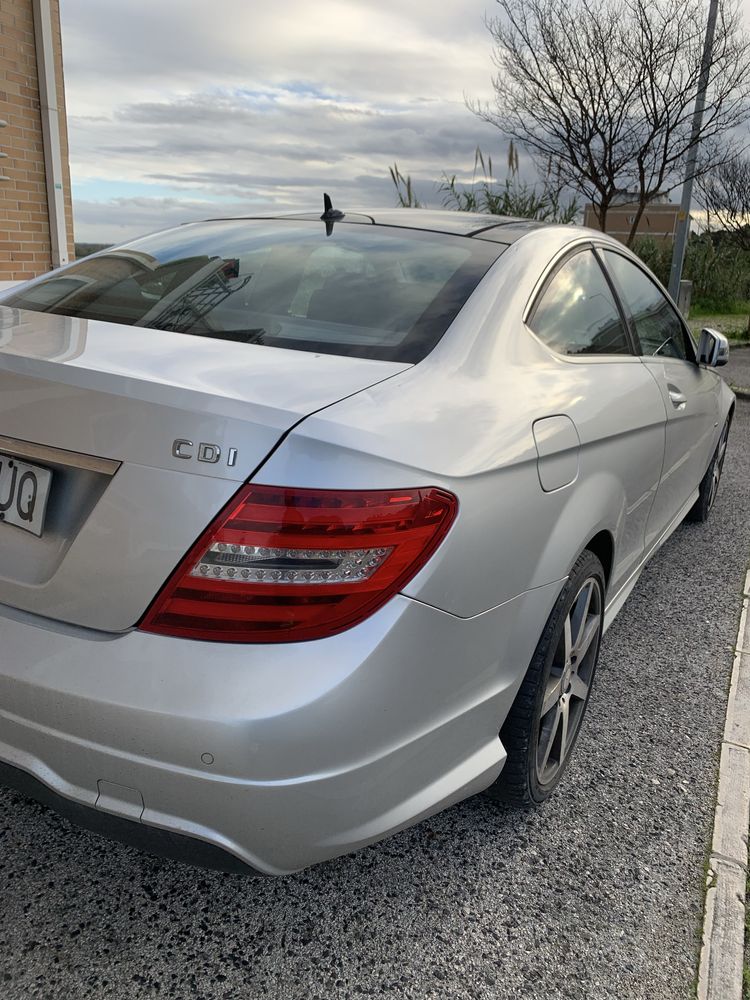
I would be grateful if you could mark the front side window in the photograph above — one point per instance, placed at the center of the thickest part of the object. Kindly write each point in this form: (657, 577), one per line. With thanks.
(363, 290)
(577, 313)
(658, 326)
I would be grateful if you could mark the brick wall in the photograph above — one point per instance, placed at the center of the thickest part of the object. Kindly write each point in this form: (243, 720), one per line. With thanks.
(24, 220)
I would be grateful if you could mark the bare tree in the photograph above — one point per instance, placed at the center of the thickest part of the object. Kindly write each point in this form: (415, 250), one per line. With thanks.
(604, 90)
(725, 195)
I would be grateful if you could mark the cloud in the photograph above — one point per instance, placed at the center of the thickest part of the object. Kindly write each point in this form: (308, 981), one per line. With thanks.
(344, 46)
(179, 107)
(119, 219)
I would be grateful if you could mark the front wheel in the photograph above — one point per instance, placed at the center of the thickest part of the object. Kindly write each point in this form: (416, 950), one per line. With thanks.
(544, 722)
(709, 486)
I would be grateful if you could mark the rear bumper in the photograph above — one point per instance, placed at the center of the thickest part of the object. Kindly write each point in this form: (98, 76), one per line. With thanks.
(147, 838)
(280, 755)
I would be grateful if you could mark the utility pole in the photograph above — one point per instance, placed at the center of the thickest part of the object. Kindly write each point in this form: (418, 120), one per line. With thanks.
(683, 224)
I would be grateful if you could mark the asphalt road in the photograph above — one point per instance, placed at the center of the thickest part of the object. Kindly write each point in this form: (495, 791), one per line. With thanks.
(737, 371)
(597, 895)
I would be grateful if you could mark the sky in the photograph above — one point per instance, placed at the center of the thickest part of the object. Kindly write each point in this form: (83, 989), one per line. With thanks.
(191, 109)
(181, 110)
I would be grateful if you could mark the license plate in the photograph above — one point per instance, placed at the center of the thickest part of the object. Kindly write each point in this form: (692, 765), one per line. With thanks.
(24, 490)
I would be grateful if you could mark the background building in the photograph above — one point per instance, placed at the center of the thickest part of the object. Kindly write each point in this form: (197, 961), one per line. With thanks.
(36, 216)
(659, 219)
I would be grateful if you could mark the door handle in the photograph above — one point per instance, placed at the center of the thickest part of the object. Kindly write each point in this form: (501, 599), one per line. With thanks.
(678, 399)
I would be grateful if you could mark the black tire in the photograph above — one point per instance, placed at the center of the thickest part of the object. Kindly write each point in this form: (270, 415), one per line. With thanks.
(709, 487)
(528, 730)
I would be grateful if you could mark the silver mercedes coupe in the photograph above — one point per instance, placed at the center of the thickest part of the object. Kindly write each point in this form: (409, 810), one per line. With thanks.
(311, 526)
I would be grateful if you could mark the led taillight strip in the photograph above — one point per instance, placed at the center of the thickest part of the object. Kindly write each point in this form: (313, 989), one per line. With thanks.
(282, 565)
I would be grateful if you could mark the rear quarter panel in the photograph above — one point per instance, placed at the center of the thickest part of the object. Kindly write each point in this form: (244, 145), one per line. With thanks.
(462, 419)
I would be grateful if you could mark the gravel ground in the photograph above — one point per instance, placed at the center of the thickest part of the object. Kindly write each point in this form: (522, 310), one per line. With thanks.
(597, 895)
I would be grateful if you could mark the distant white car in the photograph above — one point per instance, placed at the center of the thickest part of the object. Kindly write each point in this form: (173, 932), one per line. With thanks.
(312, 527)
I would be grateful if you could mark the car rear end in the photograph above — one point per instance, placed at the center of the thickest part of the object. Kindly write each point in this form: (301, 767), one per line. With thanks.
(184, 649)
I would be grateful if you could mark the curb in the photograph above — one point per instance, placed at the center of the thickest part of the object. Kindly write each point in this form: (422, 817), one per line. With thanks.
(723, 946)
(740, 391)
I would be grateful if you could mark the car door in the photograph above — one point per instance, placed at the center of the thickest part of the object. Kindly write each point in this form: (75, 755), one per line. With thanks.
(606, 394)
(689, 390)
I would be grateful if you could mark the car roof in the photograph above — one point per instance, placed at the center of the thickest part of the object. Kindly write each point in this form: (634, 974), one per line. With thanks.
(496, 228)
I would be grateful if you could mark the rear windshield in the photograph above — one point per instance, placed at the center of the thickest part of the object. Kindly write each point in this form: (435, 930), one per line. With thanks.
(365, 291)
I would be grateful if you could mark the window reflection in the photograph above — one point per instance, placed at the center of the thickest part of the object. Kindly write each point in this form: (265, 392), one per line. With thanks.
(577, 313)
(658, 326)
(371, 292)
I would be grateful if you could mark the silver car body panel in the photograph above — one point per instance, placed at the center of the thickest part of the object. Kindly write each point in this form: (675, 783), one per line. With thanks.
(691, 431)
(124, 395)
(320, 747)
(471, 384)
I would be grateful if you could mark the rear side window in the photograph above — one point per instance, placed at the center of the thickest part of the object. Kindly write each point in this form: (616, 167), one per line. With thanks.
(577, 313)
(658, 326)
(364, 290)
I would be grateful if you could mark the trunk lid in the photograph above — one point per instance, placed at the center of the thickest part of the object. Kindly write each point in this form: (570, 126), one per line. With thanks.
(147, 435)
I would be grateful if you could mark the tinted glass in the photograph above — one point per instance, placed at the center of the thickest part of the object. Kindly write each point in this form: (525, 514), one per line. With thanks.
(367, 291)
(577, 313)
(657, 324)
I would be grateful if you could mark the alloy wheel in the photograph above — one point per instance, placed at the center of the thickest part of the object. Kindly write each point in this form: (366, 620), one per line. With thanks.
(718, 465)
(567, 688)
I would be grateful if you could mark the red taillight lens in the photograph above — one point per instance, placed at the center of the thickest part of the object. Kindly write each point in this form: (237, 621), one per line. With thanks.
(281, 565)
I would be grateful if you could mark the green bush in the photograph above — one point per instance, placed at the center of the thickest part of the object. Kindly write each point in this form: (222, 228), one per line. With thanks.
(717, 267)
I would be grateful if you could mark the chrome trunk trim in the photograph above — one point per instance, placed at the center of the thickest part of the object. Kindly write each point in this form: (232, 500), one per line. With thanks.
(43, 453)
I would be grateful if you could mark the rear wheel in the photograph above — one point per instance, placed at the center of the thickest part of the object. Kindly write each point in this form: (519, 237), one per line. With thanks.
(709, 486)
(543, 725)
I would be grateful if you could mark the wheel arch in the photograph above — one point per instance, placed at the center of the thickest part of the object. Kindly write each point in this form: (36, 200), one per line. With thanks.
(603, 547)
(592, 514)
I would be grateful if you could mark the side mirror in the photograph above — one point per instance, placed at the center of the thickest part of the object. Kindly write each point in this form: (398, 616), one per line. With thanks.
(713, 348)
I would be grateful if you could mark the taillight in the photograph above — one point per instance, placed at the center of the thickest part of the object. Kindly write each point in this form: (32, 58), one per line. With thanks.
(281, 565)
